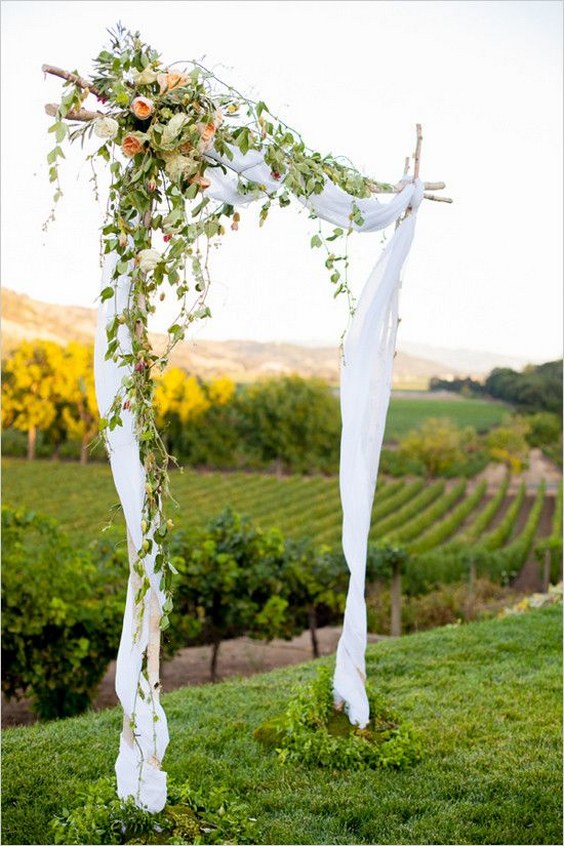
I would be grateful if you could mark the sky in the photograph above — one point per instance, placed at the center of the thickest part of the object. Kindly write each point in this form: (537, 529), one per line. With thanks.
(483, 78)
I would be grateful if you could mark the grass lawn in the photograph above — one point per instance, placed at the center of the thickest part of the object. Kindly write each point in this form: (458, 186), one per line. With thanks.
(486, 698)
(406, 413)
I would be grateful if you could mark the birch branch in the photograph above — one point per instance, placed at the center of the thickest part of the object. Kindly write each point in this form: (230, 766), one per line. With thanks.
(417, 151)
(82, 115)
(71, 77)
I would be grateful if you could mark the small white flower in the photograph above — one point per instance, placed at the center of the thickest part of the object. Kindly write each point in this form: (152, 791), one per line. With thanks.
(106, 127)
(147, 260)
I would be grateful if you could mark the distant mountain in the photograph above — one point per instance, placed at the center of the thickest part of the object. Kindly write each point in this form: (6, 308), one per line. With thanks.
(466, 362)
(25, 319)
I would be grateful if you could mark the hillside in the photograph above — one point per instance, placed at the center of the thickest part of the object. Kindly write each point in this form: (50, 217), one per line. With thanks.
(484, 697)
(26, 319)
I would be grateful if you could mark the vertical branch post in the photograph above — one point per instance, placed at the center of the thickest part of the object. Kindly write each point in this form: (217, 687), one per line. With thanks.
(154, 644)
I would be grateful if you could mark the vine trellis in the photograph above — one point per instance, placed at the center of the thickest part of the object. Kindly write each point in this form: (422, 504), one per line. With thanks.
(185, 151)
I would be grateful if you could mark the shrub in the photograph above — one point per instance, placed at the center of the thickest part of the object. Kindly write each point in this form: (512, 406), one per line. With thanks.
(188, 817)
(230, 583)
(62, 615)
(313, 732)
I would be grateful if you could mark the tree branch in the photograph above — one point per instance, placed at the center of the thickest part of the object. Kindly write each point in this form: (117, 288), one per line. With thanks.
(80, 115)
(71, 77)
(417, 151)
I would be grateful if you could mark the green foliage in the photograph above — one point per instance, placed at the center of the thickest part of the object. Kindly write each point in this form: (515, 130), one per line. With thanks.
(313, 732)
(440, 446)
(498, 536)
(188, 817)
(486, 699)
(420, 522)
(230, 582)
(62, 615)
(418, 503)
(536, 388)
(443, 529)
(476, 528)
(291, 423)
(507, 444)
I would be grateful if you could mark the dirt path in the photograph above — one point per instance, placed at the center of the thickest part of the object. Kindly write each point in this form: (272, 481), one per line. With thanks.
(239, 657)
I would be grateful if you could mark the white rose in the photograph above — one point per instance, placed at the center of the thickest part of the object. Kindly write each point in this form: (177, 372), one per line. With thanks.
(147, 260)
(106, 127)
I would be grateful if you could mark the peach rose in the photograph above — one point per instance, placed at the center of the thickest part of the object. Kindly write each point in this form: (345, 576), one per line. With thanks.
(142, 108)
(207, 131)
(202, 181)
(170, 81)
(132, 144)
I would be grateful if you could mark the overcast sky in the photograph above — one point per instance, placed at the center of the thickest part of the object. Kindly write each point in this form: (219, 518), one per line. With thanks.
(484, 79)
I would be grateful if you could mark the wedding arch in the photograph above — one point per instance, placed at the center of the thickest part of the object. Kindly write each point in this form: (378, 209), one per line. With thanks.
(186, 152)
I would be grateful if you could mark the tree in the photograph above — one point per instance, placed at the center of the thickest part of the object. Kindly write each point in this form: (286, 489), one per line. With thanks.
(31, 388)
(80, 411)
(507, 444)
(230, 583)
(293, 423)
(439, 444)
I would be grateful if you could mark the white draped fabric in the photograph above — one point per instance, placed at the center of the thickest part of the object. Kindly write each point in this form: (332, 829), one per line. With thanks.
(365, 389)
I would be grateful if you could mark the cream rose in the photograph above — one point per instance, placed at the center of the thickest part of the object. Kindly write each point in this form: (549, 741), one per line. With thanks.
(147, 260)
(106, 127)
(142, 108)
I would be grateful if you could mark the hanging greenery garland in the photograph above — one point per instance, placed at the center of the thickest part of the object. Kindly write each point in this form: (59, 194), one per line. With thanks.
(162, 131)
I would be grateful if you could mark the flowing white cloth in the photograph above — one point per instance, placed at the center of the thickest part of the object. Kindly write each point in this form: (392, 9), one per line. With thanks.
(365, 390)
(145, 735)
(366, 378)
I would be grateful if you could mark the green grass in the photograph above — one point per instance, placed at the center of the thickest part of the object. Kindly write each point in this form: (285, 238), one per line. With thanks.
(486, 698)
(405, 413)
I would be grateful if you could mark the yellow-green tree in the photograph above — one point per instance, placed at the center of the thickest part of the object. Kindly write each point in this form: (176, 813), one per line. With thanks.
(507, 444)
(439, 444)
(80, 411)
(31, 388)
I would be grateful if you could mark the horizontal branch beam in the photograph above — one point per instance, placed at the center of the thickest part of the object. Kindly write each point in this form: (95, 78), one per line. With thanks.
(80, 115)
(71, 77)
(375, 188)
(438, 199)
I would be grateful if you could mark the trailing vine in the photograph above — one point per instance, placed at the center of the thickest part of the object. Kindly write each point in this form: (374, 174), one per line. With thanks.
(162, 132)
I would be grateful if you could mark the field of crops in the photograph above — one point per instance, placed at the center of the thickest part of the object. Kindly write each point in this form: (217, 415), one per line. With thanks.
(406, 413)
(420, 515)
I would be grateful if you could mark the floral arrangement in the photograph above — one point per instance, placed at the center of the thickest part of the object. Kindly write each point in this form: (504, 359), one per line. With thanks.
(160, 129)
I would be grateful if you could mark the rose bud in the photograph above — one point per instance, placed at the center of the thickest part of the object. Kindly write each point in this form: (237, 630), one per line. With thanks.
(151, 185)
(140, 367)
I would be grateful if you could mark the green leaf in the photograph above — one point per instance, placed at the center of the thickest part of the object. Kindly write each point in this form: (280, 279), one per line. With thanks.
(60, 131)
(316, 241)
(107, 293)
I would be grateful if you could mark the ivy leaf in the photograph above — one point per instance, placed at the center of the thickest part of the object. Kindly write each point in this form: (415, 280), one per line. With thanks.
(107, 293)
(316, 241)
